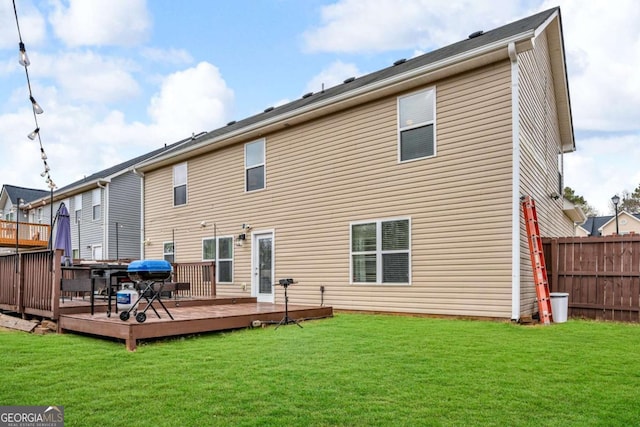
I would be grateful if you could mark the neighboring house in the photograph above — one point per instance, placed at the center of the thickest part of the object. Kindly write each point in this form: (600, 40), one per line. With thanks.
(606, 225)
(12, 211)
(396, 191)
(104, 210)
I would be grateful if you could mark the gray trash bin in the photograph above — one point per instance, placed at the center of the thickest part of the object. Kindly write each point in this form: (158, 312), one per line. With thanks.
(559, 306)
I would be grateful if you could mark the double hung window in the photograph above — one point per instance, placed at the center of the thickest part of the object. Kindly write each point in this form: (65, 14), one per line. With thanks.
(381, 251)
(222, 253)
(416, 125)
(254, 165)
(180, 184)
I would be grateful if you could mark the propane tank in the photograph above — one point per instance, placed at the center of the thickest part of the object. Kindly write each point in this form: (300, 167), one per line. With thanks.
(126, 298)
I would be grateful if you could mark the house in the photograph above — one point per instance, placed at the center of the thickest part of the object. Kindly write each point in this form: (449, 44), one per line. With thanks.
(396, 191)
(628, 223)
(104, 210)
(13, 202)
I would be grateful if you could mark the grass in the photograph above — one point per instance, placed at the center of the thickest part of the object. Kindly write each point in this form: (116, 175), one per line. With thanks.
(353, 370)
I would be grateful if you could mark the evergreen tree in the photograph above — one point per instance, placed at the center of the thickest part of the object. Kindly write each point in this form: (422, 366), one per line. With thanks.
(577, 200)
(631, 201)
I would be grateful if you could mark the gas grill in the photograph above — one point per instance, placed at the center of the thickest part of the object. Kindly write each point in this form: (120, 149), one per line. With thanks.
(149, 276)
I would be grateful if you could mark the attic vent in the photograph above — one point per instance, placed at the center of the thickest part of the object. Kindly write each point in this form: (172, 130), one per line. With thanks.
(476, 34)
(349, 80)
(306, 95)
(400, 61)
(268, 109)
(231, 123)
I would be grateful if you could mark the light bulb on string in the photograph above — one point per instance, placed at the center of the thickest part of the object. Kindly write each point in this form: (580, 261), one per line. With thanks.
(43, 155)
(33, 134)
(36, 107)
(24, 59)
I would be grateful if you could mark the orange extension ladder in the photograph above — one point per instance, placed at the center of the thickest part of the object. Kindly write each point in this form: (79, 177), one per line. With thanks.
(537, 259)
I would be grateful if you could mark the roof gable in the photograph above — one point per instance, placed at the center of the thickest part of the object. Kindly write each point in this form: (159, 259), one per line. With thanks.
(27, 194)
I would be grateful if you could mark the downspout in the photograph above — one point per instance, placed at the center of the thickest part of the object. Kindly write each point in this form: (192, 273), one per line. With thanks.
(142, 236)
(515, 185)
(105, 220)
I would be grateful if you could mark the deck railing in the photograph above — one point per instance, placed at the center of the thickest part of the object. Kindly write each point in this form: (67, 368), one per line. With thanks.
(30, 235)
(27, 286)
(200, 275)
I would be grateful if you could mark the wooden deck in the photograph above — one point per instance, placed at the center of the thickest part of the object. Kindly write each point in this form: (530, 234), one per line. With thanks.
(30, 235)
(190, 316)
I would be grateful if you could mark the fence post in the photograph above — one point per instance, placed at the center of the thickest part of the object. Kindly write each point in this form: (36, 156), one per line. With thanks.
(554, 265)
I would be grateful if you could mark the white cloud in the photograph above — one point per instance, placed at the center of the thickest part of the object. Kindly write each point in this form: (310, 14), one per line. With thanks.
(193, 100)
(332, 75)
(89, 77)
(101, 22)
(603, 166)
(602, 44)
(32, 26)
(381, 25)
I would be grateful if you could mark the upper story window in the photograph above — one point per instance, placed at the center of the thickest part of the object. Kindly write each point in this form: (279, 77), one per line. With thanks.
(180, 184)
(254, 165)
(39, 215)
(95, 203)
(381, 251)
(77, 206)
(416, 125)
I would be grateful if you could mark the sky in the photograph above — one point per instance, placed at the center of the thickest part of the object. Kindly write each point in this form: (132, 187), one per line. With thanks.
(119, 78)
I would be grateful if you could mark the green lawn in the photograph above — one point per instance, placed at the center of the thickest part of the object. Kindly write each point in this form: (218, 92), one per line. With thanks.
(350, 370)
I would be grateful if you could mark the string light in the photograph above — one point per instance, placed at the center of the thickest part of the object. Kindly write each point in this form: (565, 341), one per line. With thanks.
(24, 59)
(33, 134)
(37, 109)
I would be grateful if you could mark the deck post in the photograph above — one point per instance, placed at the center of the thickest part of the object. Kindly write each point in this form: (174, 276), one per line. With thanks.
(56, 276)
(19, 281)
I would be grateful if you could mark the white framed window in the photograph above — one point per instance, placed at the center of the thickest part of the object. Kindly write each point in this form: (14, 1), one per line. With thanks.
(168, 252)
(381, 251)
(222, 253)
(417, 125)
(77, 206)
(254, 165)
(180, 184)
(96, 208)
(39, 215)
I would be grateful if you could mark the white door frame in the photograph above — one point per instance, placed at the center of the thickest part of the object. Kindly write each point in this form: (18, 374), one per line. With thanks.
(255, 278)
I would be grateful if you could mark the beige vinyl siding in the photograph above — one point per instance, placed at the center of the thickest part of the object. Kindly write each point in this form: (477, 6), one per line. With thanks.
(540, 142)
(325, 174)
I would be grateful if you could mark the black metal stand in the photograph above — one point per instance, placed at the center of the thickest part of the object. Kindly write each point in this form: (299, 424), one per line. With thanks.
(286, 320)
(145, 293)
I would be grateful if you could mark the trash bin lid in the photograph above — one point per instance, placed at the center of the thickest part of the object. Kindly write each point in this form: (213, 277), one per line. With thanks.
(558, 294)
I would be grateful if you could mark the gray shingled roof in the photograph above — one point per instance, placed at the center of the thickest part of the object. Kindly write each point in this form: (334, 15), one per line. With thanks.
(507, 31)
(593, 223)
(27, 194)
(105, 173)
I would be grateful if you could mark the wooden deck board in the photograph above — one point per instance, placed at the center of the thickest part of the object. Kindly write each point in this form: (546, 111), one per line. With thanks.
(186, 320)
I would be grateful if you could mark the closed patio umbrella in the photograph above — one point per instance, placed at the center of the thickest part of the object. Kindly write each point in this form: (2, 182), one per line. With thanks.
(63, 234)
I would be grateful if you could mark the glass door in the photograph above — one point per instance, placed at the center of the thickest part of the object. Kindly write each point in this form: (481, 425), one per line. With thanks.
(262, 281)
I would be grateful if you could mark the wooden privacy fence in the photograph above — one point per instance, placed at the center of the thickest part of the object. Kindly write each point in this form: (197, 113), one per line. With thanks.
(27, 287)
(601, 275)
